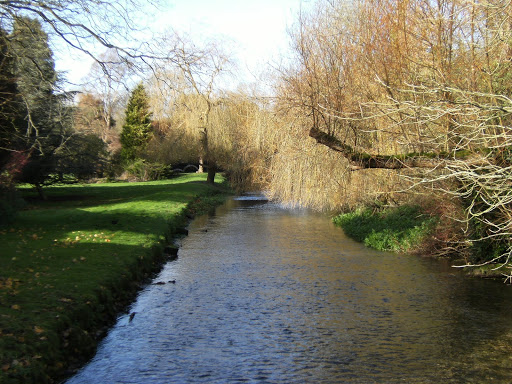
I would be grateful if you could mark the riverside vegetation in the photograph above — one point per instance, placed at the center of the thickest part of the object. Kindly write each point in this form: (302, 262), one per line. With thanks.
(71, 263)
(401, 229)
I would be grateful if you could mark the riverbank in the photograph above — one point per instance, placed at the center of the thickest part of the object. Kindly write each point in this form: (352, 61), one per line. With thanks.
(72, 263)
(399, 229)
(408, 229)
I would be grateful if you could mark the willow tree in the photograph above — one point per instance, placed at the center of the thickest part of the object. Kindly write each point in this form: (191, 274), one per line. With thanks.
(413, 85)
(201, 68)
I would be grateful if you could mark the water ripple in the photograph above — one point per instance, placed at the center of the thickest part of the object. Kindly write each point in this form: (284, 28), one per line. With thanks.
(269, 295)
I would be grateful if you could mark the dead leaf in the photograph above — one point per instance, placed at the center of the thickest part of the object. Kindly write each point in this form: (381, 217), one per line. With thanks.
(65, 300)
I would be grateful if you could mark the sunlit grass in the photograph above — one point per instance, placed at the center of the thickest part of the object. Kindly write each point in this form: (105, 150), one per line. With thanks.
(70, 262)
(400, 229)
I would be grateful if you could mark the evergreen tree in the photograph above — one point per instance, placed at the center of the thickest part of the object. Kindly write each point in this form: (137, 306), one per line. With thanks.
(10, 102)
(137, 127)
(37, 78)
(46, 125)
(37, 139)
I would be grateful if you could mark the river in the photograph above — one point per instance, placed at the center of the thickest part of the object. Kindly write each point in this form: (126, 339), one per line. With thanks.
(264, 294)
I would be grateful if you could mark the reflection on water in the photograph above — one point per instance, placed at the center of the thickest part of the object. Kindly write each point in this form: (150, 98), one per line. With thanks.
(269, 295)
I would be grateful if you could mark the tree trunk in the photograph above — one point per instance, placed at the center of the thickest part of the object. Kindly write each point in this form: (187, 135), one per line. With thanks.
(40, 192)
(212, 170)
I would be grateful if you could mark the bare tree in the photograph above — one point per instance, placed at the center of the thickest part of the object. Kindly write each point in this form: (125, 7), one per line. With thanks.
(111, 90)
(88, 24)
(418, 85)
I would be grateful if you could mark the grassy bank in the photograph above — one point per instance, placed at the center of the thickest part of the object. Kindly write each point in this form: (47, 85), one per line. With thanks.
(71, 263)
(410, 229)
(397, 229)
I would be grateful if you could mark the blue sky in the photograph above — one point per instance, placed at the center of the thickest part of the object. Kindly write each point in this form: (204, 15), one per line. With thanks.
(256, 28)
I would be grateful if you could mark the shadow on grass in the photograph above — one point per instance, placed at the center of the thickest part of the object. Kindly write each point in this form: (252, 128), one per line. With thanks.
(58, 304)
(68, 270)
(109, 206)
(83, 195)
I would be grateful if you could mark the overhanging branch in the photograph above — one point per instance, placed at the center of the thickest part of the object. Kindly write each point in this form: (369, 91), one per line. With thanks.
(359, 160)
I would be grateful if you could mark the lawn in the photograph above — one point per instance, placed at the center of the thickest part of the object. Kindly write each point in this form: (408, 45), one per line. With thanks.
(71, 263)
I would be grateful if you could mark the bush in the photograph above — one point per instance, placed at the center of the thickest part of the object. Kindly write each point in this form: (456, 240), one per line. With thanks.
(142, 170)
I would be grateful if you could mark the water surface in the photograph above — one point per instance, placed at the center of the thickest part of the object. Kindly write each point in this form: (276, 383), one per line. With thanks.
(264, 294)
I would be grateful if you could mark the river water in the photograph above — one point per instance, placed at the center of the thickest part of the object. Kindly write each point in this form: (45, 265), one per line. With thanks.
(264, 294)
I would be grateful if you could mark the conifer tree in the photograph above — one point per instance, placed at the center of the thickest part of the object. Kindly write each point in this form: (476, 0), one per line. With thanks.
(137, 127)
(46, 124)
(11, 111)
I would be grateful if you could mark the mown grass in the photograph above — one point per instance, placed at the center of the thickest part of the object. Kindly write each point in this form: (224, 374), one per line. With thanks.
(70, 264)
(398, 229)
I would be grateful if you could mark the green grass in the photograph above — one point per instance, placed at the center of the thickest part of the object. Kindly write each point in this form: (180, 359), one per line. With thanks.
(400, 229)
(70, 264)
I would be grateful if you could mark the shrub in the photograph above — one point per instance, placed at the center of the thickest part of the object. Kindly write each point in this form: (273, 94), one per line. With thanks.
(142, 170)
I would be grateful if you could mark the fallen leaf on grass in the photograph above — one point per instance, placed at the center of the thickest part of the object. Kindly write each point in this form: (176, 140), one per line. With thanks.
(38, 330)
(65, 300)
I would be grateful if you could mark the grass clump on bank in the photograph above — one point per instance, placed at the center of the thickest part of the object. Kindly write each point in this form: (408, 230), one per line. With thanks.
(70, 264)
(396, 229)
